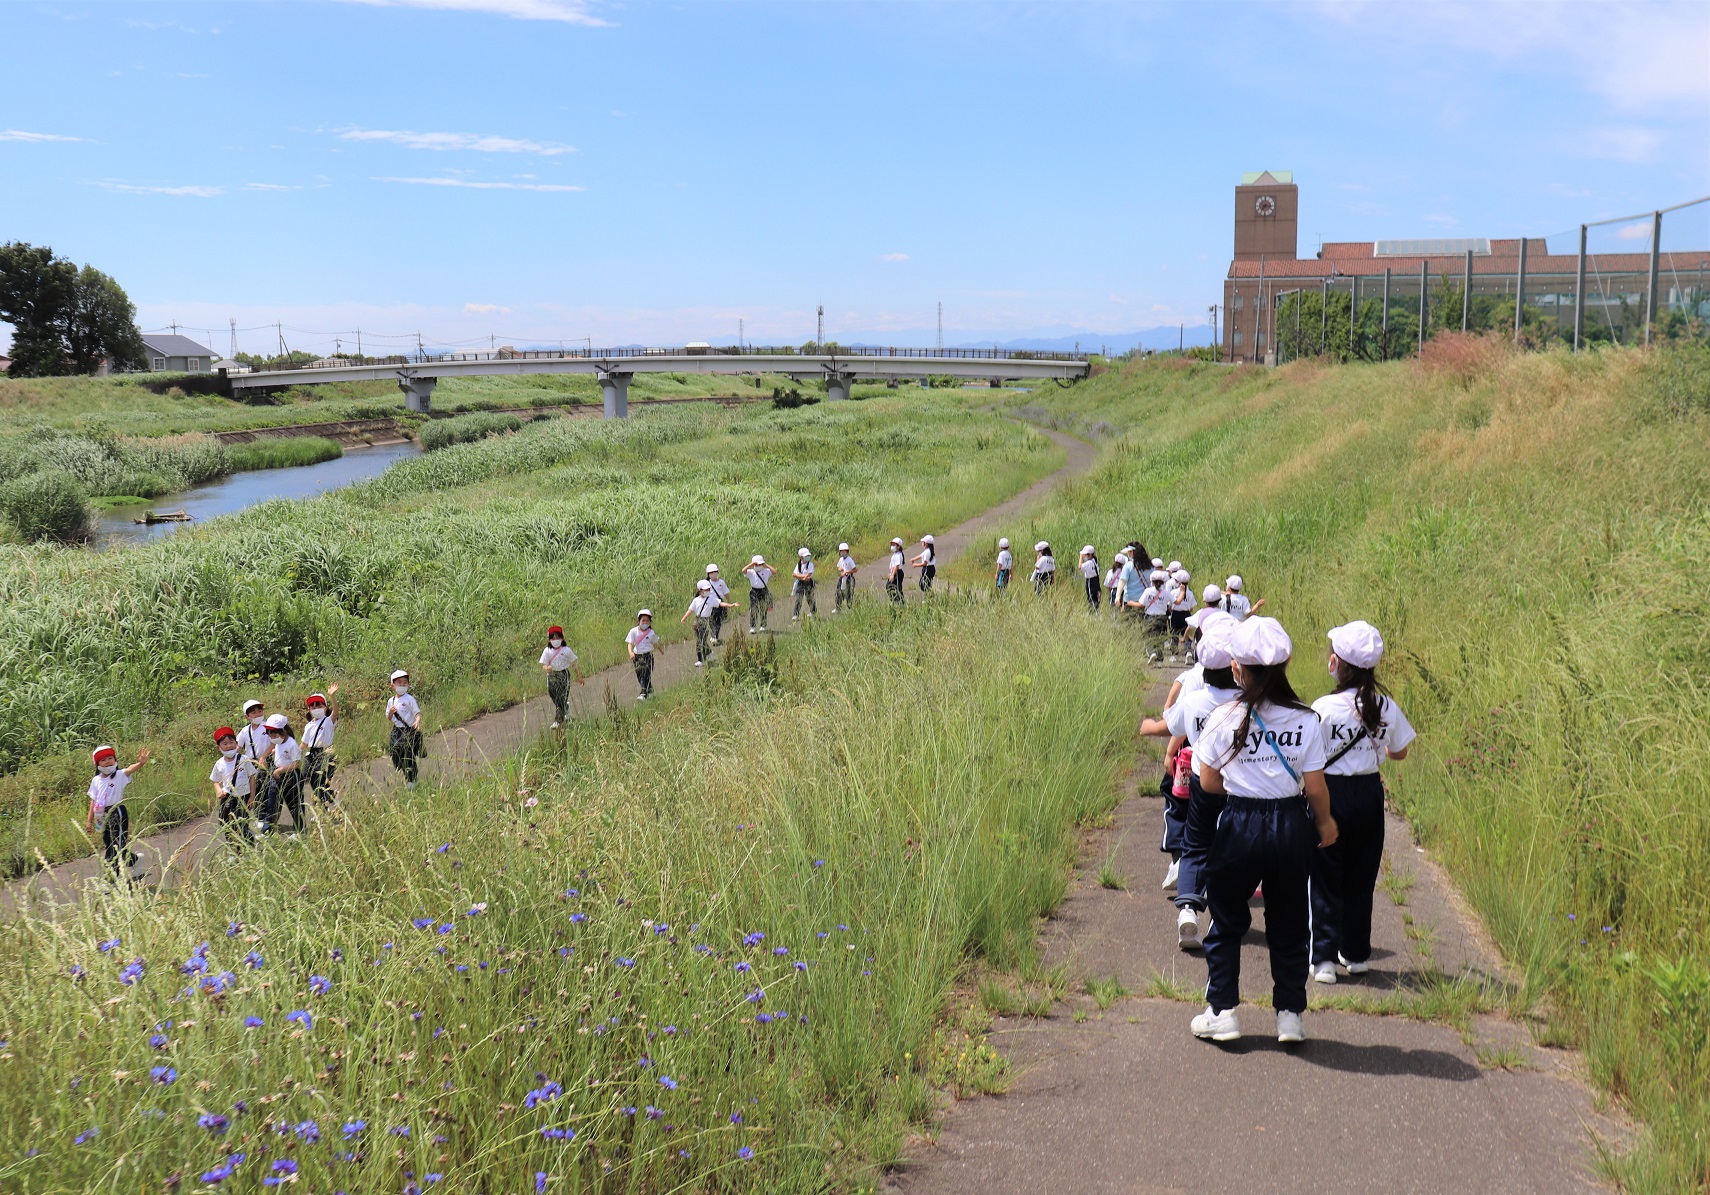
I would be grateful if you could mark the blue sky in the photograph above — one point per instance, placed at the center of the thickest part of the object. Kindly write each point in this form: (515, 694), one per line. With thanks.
(539, 170)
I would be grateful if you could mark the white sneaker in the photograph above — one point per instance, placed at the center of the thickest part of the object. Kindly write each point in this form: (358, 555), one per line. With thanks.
(555, 726)
(795, 618)
(409, 784)
(1187, 930)
(717, 643)
(1289, 1029)
(1324, 972)
(641, 697)
(1170, 875)
(697, 663)
(1217, 1026)
(834, 609)
(1354, 968)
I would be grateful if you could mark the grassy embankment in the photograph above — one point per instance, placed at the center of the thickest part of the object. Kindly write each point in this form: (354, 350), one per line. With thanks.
(450, 564)
(1530, 533)
(705, 947)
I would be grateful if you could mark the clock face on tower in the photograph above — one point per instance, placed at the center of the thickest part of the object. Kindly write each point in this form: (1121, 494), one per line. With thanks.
(1265, 205)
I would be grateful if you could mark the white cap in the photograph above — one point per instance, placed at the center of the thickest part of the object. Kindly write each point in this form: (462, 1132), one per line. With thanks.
(278, 722)
(251, 704)
(1183, 576)
(1003, 543)
(1207, 617)
(1157, 562)
(1041, 546)
(1159, 576)
(1211, 594)
(1233, 584)
(1213, 646)
(927, 539)
(644, 613)
(704, 586)
(1260, 640)
(1175, 566)
(842, 547)
(712, 568)
(757, 559)
(400, 675)
(1358, 643)
(803, 553)
(1089, 550)
(897, 540)
(1119, 558)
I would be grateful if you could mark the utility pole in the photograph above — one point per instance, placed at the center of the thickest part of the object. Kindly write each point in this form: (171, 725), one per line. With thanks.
(233, 353)
(1424, 302)
(1651, 286)
(819, 332)
(359, 343)
(741, 334)
(1520, 293)
(1466, 291)
(175, 327)
(1579, 294)
(280, 330)
(941, 326)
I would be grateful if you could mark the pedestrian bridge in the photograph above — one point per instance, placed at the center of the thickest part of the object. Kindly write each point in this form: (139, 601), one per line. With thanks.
(417, 375)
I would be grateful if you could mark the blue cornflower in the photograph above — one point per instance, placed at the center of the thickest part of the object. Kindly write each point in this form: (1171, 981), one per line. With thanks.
(552, 1134)
(669, 1031)
(819, 862)
(476, 910)
(75, 971)
(745, 1153)
(158, 1041)
(446, 928)
(644, 1061)
(764, 1018)
(284, 1169)
(736, 1118)
(629, 1110)
(753, 939)
(800, 966)
(402, 1130)
(439, 1032)
(540, 1095)
(223, 1171)
(234, 929)
(661, 928)
(423, 922)
(133, 971)
(565, 951)
(653, 1113)
(703, 948)
(194, 965)
(215, 985)
(318, 984)
(351, 1128)
(844, 928)
(302, 1017)
(741, 967)
(626, 962)
(84, 1136)
(539, 1181)
(109, 944)
(309, 1131)
(253, 960)
(572, 892)
(214, 1122)
(757, 995)
(443, 848)
(163, 1074)
(253, 1022)
(578, 918)
(335, 954)
(780, 951)
(667, 1082)
(682, 1153)
(822, 935)
(432, 1177)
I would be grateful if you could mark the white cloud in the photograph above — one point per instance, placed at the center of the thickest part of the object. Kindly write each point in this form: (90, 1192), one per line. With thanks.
(569, 12)
(1635, 232)
(486, 309)
(479, 142)
(33, 138)
(200, 192)
(893, 257)
(1618, 143)
(479, 186)
(273, 186)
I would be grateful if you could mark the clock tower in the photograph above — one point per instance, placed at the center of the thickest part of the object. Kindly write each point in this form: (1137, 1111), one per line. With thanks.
(1267, 216)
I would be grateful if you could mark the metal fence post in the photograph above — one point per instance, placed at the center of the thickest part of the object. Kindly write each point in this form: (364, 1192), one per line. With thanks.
(1424, 302)
(1579, 295)
(1466, 293)
(1353, 309)
(1385, 329)
(1323, 314)
(1651, 285)
(1520, 292)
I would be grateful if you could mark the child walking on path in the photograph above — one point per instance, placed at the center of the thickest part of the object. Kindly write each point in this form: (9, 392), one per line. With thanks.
(803, 587)
(1113, 582)
(234, 785)
(846, 570)
(643, 646)
(1005, 565)
(721, 591)
(107, 811)
(1236, 602)
(559, 662)
(927, 562)
(702, 607)
(759, 575)
(318, 765)
(284, 779)
(1090, 574)
(404, 712)
(894, 573)
(1363, 726)
(1264, 753)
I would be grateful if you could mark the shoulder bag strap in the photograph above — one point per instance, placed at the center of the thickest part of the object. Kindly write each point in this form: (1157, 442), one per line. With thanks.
(1287, 766)
(1346, 747)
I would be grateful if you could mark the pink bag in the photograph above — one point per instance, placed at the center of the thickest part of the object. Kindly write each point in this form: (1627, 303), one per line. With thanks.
(1184, 769)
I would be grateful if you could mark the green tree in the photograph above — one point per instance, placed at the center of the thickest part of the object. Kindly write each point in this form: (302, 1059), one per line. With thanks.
(35, 290)
(101, 325)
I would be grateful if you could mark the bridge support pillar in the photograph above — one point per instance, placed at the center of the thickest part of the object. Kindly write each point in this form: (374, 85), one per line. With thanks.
(615, 388)
(837, 385)
(418, 393)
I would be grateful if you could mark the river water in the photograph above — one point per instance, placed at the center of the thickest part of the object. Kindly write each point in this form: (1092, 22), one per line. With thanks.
(240, 490)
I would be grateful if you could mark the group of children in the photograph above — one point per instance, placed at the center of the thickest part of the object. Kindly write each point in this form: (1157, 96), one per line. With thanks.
(1265, 796)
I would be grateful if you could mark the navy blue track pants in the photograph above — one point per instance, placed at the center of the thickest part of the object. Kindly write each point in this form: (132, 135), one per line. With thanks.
(1345, 874)
(1203, 810)
(1269, 842)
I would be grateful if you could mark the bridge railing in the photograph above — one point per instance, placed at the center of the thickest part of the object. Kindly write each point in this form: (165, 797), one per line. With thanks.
(839, 352)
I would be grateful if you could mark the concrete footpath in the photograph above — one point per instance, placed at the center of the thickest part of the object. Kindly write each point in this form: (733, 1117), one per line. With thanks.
(166, 859)
(1126, 1100)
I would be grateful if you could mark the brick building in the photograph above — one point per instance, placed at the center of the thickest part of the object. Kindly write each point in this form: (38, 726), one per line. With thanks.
(1267, 269)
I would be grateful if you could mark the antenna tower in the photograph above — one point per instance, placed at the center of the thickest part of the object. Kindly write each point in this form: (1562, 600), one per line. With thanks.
(941, 325)
(819, 335)
(234, 338)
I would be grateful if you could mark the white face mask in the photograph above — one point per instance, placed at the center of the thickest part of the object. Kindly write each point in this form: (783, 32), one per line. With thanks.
(555, 641)
(316, 713)
(255, 719)
(400, 690)
(107, 769)
(229, 752)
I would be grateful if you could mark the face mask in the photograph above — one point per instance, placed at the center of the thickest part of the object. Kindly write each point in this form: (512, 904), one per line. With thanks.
(255, 719)
(229, 752)
(316, 713)
(107, 769)
(555, 641)
(400, 690)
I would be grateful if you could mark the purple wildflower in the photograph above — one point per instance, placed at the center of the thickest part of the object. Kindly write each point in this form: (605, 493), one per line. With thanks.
(253, 1022)
(667, 1082)
(352, 1127)
(214, 1122)
(745, 1153)
(163, 1074)
(133, 971)
(253, 960)
(158, 1041)
(302, 1017)
(84, 1136)
(539, 1181)
(318, 985)
(223, 1171)
(109, 944)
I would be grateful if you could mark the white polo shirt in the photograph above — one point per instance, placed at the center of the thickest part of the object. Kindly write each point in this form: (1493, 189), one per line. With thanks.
(804, 570)
(558, 659)
(403, 709)
(758, 575)
(642, 641)
(1237, 604)
(1181, 597)
(1342, 722)
(252, 741)
(1188, 716)
(898, 560)
(1006, 560)
(318, 733)
(286, 752)
(719, 588)
(1255, 768)
(846, 565)
(108, 791)
(1045, 564)
(235, 775)
(1153, 601)
(703, 606)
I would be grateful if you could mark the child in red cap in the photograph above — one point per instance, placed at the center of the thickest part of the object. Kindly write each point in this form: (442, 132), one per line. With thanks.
(233, 778)
(558, 662)
(317, 743)
(107, 807)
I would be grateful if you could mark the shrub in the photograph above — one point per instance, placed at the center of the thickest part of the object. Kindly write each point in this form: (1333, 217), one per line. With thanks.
(464, 429)
(1465, 357)
(789, 400)
(47, 506)
(1680, 378)
(282, 452)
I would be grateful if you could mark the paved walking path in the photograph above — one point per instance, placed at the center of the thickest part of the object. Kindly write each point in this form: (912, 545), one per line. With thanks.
(167, 858)
(1128, 1101)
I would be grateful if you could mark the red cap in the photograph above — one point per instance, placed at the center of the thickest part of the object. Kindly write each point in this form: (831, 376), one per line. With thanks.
(554, 630)
(316, 699)
(224, 732)
(104, 752)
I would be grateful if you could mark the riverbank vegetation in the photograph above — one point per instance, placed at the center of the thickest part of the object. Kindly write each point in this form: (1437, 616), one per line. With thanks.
(1530, 534)
(449, 564)
(281, 452)
(466, 429)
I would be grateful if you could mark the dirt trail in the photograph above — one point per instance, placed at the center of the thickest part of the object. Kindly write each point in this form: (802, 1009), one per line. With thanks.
(167, 858)
(1127, 1100)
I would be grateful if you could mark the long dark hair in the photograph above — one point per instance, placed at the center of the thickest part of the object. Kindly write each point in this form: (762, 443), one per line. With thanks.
(1368, 693)
(1220, 678)
(1261, 684)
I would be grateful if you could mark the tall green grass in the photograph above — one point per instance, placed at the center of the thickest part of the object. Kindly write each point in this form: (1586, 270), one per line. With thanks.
(450, 564)
(703, 948)
(1530, 534)
(465, 429)
(281, 452)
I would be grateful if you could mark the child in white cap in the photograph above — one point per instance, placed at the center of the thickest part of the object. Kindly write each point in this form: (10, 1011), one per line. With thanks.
(721, 591)
(1363, 726)
(643, 644)
(284, 779)
(1155, 610)
(1005, 565)
(1213, 599)
(1263, 753)
(252, 738)
(759, 575)
(1113, 582)
(844, 596)
(1090, 576)
(803, 587)
(1044, 567)
(894, 571)
(1182, 600)
(404, 713)
(107, 812)
(927, 562)
(702, 607)
(1236, 602)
